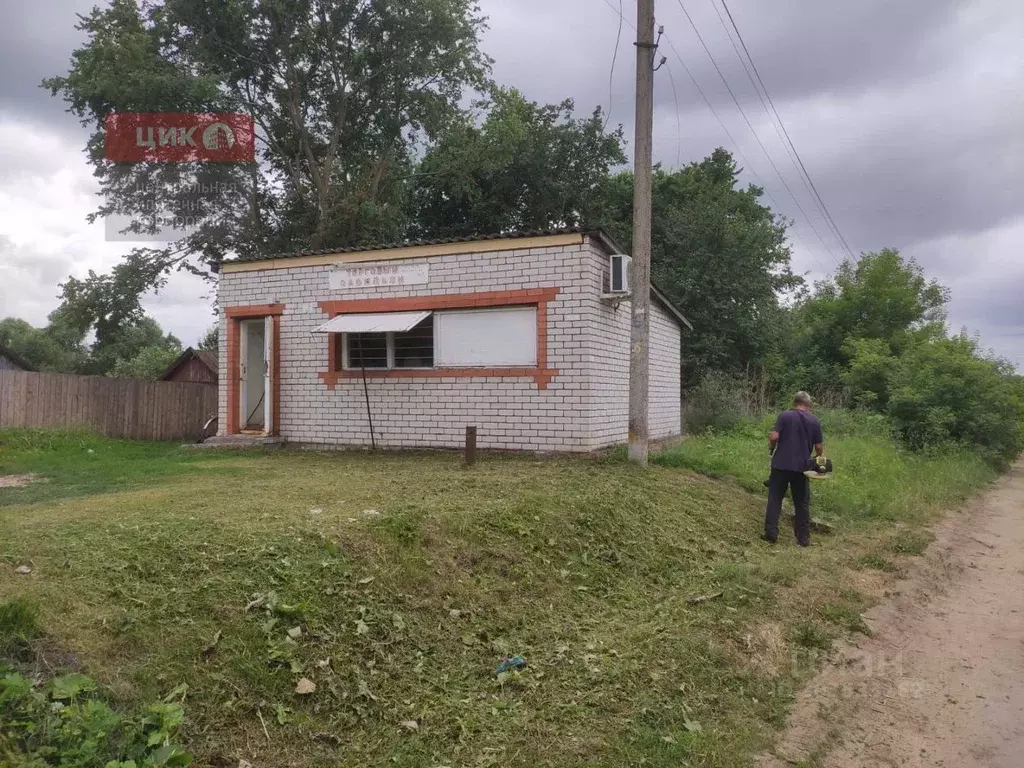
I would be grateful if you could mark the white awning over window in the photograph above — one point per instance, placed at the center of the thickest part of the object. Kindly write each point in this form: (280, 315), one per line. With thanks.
(397, 322)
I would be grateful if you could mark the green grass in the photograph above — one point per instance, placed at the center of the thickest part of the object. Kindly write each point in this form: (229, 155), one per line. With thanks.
(878, 563)
(874, 479)
(78, 463)
(397, 583)
(19, 626)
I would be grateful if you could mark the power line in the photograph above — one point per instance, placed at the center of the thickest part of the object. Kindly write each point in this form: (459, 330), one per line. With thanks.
(754, 132)
(679, 123)
(618, 12)
(789, 149)
(736, 145)
(814, 189)
(611, 74)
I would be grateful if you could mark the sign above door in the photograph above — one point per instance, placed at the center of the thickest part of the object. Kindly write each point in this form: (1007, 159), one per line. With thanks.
(357, 277)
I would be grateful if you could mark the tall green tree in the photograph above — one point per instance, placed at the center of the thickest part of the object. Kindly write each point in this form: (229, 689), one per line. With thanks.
(108, 309)
(720, 254)
(125, 347)
(343, 94)
(880, 297)
(524, 167)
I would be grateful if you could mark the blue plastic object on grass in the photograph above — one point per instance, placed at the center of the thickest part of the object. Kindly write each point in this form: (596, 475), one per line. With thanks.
(516, 662)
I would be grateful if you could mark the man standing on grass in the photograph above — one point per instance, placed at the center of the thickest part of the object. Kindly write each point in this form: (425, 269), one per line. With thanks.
(796, 432)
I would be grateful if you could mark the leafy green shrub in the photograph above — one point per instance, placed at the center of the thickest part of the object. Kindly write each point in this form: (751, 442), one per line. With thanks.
(64, 723)
(716, 403)
(944, 393)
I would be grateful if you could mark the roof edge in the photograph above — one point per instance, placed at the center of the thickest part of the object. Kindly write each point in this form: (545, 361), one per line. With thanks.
(187, 354)
(17, 359)
(425, 243)
(657, 294)
(672, 309)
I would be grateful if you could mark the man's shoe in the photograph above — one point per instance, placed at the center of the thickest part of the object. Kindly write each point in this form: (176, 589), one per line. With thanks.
(806, 543)
(769, 539)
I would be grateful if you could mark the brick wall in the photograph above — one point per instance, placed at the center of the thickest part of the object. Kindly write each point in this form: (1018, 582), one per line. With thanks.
(665, 417)
(577, 410)
(609, 345)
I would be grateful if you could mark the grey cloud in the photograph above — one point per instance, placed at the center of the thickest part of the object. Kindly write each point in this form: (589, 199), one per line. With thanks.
(806, 48)
(28, 281)
(907, 114)
(36, 42)
(183, 307)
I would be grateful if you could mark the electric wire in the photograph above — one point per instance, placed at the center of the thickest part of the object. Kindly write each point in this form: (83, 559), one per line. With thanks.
(611, 74)
(679, 120)
(790, 149)
(827, 214)
(754, 132)
(736, 145)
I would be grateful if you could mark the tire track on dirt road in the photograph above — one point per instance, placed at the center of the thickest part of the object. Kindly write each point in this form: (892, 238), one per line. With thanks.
(940, 683)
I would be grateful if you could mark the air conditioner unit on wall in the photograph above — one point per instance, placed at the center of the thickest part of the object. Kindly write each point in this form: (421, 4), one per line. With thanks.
(618, 270)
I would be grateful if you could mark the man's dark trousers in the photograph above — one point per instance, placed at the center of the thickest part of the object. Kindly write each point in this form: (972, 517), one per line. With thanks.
(796, 481)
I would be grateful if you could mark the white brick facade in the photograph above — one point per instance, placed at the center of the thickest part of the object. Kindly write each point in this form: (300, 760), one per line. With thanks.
(582, 408)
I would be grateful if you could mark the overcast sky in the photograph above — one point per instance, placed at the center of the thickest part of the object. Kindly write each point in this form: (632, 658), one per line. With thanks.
(909, 115)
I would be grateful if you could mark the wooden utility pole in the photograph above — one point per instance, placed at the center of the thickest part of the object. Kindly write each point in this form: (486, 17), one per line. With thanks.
(639, 357)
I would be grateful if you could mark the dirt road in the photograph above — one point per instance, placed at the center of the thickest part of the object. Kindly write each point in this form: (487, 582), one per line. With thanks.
(940, 683)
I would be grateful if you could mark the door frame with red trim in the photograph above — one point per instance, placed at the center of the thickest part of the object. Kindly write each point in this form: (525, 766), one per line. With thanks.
(271, 314)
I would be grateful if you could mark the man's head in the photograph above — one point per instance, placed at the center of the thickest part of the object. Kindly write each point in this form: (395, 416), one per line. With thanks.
(802, 401)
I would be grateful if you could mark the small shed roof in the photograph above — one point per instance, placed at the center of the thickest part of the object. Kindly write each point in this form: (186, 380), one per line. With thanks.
(206, 358)
(16, 359)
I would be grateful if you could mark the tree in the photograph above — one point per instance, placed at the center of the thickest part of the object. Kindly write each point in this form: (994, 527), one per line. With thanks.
(211, 339)
(525, 167)
(880, 296)
(342, 92)
(149, 363)
(109, 308)
(42, 348)
(128, 344)
(719, 254)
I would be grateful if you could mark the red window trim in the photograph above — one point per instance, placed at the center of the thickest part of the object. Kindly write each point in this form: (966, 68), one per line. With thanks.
(538, 297)
(235, 315)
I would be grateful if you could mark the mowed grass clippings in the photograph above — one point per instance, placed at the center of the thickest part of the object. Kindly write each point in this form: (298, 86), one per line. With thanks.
(396, 584)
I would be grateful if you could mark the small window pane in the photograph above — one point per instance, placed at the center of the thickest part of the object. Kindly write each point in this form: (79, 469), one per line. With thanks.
(415, 348)
(367, 350)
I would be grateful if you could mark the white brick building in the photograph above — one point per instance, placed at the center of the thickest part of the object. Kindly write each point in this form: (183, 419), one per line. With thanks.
(518, 336)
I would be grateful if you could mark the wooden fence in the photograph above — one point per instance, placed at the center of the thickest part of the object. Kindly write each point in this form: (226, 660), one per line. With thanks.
(120, 408)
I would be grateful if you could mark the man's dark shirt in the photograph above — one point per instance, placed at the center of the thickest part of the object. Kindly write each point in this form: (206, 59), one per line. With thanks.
(798, 432)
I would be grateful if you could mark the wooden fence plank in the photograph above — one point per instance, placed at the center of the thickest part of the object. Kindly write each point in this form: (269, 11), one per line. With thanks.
(118, 408)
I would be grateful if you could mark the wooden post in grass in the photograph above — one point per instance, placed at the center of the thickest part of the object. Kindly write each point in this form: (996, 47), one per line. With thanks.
(470, 446)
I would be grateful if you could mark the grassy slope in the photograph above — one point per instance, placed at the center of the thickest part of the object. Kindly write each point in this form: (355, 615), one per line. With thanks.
(141, 554)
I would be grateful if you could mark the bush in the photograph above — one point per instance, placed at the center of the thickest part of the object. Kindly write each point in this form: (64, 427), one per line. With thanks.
(65, 722)
(716, 403)
(943, 393)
